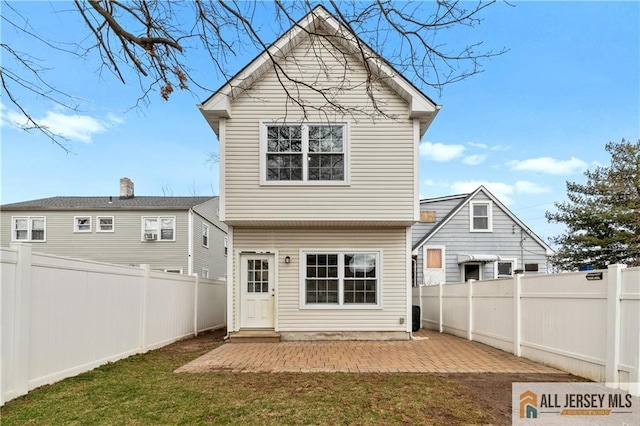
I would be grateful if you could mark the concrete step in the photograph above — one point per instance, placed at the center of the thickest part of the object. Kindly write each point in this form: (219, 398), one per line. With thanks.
(254, 336)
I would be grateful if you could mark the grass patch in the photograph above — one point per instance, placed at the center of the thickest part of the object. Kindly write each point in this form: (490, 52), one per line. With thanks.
(144, 390)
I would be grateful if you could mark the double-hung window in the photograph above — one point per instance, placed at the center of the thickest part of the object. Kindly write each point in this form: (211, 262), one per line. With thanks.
(481, 216)
(82, 224)
(341, 279)
(29, 228)
(305, 153)
(158, 228)
(205, 235)
(105, 223)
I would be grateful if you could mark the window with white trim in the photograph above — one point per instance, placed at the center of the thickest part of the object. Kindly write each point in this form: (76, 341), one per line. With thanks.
(105, 223)
(205, 235)
(158, 228)
(82, 224)
(28, 228)
(305, 153)
(505, 268)
(226, 243)
(481, 216)
(341, 279)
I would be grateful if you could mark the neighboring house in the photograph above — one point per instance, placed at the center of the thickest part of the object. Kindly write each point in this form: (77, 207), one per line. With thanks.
(173, 234)
(319, 206)
(473, 236)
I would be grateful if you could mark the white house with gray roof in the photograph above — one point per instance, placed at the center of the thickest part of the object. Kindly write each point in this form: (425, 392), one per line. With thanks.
(473, 236)
(319, 203)
(173, 234)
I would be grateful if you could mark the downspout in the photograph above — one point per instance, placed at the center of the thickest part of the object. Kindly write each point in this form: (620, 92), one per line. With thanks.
(190, 242)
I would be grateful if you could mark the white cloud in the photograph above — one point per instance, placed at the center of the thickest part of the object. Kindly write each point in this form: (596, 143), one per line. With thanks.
(440, 152)
(114, 118)
(526, 187)
(429, 182)
(475, 159)
(479, 145)
(549, 165)
(74, 127)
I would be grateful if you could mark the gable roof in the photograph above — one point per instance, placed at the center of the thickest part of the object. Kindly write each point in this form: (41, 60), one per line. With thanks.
(218, 105)
(108, 203)
(465, 199)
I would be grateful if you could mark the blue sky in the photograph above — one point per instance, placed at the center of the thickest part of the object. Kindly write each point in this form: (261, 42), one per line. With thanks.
(538, 116)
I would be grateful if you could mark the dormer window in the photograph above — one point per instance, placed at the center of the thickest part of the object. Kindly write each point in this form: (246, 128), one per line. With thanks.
(481, 216)
(305, 153)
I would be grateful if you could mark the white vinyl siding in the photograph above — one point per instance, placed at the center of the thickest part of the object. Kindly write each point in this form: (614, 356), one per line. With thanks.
(122, 246)
(380, 152)
(390, 243)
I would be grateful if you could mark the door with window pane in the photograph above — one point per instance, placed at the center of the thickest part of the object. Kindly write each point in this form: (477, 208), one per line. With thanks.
(257, 292)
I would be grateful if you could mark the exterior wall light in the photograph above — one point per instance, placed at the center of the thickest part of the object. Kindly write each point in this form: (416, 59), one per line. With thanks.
(287, 259)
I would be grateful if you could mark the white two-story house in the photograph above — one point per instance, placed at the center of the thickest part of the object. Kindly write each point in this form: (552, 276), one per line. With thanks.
(319, 201)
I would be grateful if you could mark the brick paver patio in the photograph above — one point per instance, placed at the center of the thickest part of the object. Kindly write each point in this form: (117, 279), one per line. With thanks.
(430, 352)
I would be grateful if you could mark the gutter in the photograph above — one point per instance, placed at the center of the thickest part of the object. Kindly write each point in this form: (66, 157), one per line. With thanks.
(190, 242)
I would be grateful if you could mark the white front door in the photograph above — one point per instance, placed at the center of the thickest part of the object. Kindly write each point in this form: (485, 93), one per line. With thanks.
(257, 290)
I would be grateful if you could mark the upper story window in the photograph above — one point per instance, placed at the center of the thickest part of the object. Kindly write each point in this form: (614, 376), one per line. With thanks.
(226, 245)
(29, 228)
(105, 223)
(82, 224)
(305, 153)
(158, 228)
(205, 235)
(481, 216)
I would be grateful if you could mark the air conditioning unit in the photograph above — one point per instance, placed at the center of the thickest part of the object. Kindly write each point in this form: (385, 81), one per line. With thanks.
(150, 236)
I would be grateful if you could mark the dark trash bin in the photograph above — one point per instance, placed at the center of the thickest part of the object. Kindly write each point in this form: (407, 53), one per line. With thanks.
(415, 318)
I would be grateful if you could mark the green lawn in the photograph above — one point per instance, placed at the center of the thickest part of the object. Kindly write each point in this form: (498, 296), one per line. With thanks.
(144, 390)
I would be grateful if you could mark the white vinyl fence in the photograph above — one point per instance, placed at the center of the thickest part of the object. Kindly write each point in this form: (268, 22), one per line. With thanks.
(590, 328)
(61, 317)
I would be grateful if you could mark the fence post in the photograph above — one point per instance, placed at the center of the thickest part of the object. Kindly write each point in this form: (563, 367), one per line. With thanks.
(612, 359)
(470, 309)
(144, 291)
(195, 305)
(517, 315)
(440, 325)
(22, 329)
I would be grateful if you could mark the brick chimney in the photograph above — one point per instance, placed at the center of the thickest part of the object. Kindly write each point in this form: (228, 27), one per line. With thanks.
(126, 188)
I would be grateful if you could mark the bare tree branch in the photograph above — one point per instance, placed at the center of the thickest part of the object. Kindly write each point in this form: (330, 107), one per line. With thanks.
(151, 41)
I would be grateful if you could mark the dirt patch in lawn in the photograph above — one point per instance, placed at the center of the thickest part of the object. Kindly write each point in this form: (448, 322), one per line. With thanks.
(490, 391)
(205, 341)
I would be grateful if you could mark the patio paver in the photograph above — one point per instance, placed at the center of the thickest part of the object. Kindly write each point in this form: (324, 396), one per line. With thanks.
(429, 352)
